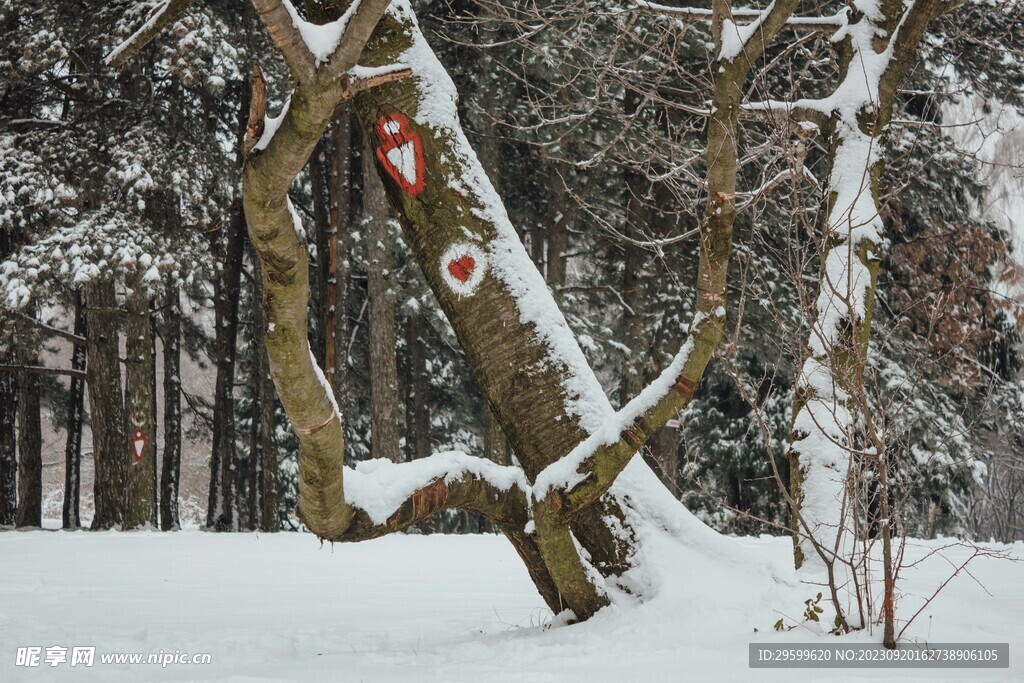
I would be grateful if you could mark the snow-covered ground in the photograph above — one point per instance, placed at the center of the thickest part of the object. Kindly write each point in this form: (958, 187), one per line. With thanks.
(441, 608)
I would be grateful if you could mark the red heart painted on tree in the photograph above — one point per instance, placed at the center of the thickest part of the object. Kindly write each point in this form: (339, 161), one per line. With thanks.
(462, 268)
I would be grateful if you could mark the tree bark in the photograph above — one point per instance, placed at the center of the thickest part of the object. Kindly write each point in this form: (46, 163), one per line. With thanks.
(319, 179)
(111, 449)
(8, 444)
(263, 512)
(170, 469)
(141, 442)
(339, 267)
(30, 435)
(70, 518)
(417, 403)
(380, 275)
(269, 515)
(222, 513)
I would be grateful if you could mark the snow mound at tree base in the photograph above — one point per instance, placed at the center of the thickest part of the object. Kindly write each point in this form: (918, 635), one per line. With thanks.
(676, 553)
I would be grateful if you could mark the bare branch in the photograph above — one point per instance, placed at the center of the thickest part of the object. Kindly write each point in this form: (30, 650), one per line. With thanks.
(359, 79)
(56, 331)
(43, 370)
(282, 30)
(695, 14)
(162, 16)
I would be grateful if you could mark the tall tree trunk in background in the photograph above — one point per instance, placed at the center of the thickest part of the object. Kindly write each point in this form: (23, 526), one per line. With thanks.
(222, 512)
(154, 411)
(318, 173)
(257, 477)
(8, 443)
(265, 440)
(70, 518)
(138, 400)
(380, 275)
(8, 422)
(170, 471)
(558, 234)
(111, 449)
(632, 287)
(417, 389)
(339, 169)
(30, 435)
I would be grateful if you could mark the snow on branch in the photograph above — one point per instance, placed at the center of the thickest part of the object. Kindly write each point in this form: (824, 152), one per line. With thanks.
(380, 487)
(694, 14)
(320, 39)
(162, 16)
(360, 78)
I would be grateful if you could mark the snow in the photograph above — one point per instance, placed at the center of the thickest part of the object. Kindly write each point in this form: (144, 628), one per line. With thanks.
(994, 135)
(155, 15)
(735, 38)
(321, 39)
(379, 486)
(270, 126)
(281, 607)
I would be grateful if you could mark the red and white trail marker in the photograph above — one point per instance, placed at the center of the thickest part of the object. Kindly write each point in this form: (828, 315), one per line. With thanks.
(463, 266)
(138, 445)
(400, 152)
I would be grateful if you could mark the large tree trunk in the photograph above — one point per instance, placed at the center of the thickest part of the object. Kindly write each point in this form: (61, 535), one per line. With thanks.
(111, 449)
(30, 435)
(222, 513)
(70, 518)
(170, 470)
(380, 277)
(139, 505)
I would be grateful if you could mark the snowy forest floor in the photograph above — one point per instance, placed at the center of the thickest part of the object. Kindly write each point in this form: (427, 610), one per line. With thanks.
(278, 607)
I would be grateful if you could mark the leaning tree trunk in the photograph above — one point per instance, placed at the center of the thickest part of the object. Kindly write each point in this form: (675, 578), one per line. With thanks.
(380, 277)
(70, 518)
(138, 394)
(30, 435)
(170, 470)
(222, 513)
(111, 449)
